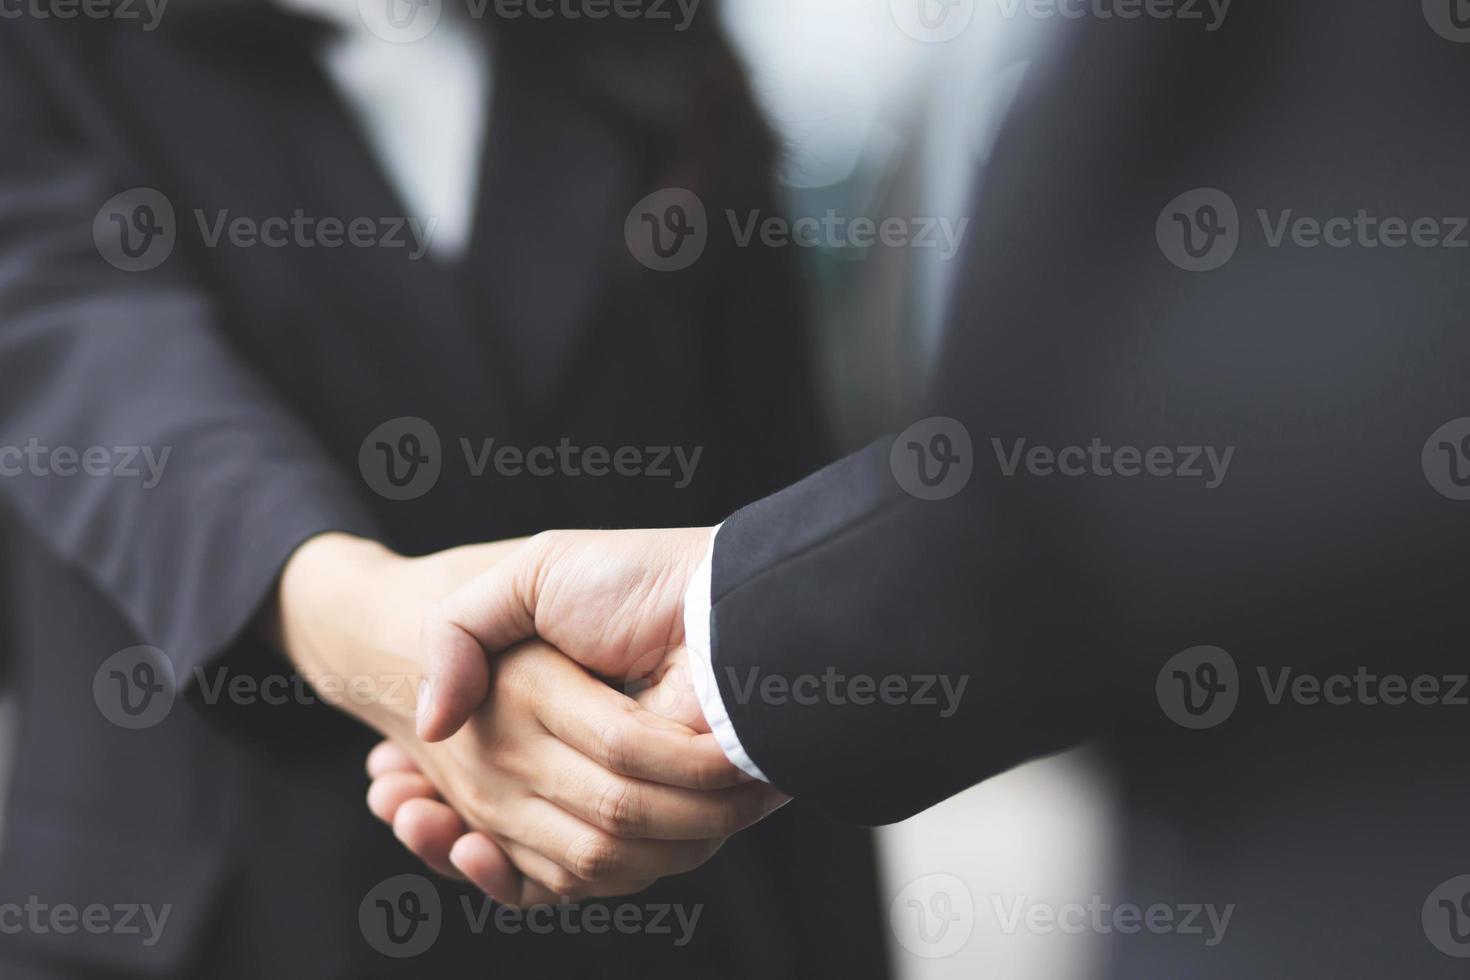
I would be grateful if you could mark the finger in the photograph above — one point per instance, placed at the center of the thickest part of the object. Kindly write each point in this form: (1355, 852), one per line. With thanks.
(672, 694)
(546, 882)
(636, 808)
(387, 757)
(429, 829)
(595, 856)
(489, 613)
(391, 790)
(456, 678)
(485, 864)
(614, 731)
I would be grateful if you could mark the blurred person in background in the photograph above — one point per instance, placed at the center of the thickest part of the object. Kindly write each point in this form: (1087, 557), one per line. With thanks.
(226, 436)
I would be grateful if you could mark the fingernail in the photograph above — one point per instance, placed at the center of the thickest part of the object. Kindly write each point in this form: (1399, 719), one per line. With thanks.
(456, 856)
(421, 713)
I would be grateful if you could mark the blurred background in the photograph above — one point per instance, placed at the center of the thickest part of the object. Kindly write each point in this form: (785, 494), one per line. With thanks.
(871, 120)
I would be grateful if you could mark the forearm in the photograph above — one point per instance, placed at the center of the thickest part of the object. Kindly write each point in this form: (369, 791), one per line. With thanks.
(346, 614)
(348, 611)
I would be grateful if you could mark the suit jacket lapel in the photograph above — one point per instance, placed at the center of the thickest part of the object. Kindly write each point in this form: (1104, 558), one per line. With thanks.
(255, 77)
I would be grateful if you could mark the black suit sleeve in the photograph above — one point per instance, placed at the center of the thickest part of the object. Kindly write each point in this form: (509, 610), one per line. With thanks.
(132, 363)
(1058, 598)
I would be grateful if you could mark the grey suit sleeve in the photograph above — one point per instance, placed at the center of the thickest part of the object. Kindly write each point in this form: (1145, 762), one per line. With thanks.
(136, 445)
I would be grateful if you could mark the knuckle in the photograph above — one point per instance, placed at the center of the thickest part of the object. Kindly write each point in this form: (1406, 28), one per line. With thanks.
(595, 857)
(618, 809)
(612, 746)
(544, 543)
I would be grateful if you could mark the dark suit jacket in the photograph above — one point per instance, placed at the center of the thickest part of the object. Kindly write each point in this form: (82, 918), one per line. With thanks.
(262, 370)
(1061, 599)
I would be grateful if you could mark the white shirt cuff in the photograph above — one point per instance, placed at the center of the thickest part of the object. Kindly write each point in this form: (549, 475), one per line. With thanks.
(702, 666)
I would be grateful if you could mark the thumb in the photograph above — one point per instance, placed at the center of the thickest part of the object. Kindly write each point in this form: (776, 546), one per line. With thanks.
(483, 617)
(456, 680)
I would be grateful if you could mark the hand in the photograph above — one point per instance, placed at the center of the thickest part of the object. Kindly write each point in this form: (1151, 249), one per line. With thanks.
(560, 785)
(611, 600)
(351, 608)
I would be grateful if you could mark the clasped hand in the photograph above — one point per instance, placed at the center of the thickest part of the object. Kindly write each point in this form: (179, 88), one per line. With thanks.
(557, 747)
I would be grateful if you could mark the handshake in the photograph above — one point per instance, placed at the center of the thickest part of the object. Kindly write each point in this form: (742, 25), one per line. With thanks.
(557, 746)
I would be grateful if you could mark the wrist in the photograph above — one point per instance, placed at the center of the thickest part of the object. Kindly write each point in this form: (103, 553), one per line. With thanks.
(346, 619)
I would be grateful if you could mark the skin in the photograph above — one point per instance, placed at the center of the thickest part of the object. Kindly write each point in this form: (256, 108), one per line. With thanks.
(551, 782)
(610, 600)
